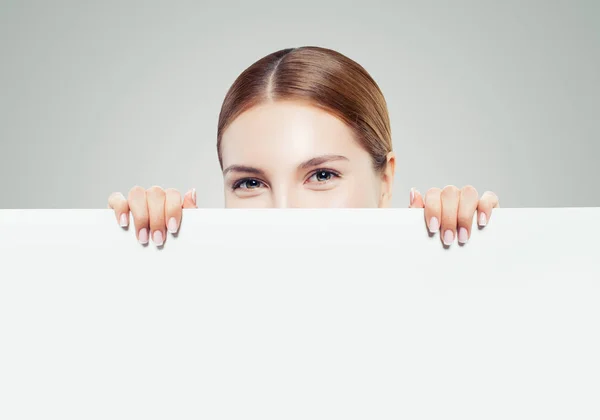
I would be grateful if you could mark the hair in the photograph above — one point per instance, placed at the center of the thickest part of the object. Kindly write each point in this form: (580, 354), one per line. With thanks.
(323, 77)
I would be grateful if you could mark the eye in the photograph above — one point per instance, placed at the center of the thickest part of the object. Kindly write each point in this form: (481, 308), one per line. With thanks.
(323, 175)
(247, 184)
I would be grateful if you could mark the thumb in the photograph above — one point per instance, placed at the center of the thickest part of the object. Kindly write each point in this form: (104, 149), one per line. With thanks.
(189, 199)
(416, 200)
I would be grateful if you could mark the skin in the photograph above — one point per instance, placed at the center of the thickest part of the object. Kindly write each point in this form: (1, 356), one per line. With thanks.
(289, 154)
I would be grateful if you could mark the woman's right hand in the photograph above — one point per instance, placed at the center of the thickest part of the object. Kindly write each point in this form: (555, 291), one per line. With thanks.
(154, 210)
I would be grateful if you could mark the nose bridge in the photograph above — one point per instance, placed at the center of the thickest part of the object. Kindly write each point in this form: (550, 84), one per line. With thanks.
(280, 198)
(284, 196)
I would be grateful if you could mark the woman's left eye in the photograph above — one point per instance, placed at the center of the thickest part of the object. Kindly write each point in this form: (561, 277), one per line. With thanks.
(323, 175)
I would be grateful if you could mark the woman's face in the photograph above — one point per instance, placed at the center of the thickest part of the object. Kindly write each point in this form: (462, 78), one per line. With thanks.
(291, 154)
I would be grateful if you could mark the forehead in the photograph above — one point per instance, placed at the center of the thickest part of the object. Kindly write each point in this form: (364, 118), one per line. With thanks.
(286, 132)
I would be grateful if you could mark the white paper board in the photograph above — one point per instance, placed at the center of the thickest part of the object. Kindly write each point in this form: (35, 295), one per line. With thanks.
(296, 314)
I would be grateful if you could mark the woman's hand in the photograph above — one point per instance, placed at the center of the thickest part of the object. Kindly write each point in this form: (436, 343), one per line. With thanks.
(154, 210)
(455, 209)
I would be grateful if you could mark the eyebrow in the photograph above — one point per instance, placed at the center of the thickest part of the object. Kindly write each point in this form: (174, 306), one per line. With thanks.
(319, 160)
(316, 161)
(245, 169)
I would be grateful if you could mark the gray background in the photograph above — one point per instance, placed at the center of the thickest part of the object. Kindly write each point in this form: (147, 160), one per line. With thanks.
(100, 96)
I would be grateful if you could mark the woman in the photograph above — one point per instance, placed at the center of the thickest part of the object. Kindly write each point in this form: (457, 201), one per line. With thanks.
(305, 127)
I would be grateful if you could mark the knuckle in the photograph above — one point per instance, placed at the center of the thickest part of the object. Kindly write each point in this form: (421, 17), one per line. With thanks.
(469, 190)
(448, 222)
(489, 199)
(153, 217)
(433, 192)
(116, 196)
(173, 195)
(155, 190)
(172, 191)
(450, 188)
(489, 194)
(140, 219)
(136, 190)
(465, 220)
(156, 220)
(450, 191)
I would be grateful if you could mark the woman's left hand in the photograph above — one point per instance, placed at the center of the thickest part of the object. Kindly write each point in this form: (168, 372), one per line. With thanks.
(455, 209)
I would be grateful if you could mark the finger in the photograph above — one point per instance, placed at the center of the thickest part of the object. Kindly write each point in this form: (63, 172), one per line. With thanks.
(189, 200)
(172, 209)
(450, 197)
(139, 209)
(416, 200)
(156, 211)
(119, 204)
(487, 202)
(433, 209)
(468, 201)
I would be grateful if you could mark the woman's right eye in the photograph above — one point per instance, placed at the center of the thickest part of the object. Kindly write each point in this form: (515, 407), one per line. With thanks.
(247, 184)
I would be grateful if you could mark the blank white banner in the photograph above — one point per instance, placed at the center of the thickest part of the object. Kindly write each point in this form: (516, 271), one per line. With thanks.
(300, 314)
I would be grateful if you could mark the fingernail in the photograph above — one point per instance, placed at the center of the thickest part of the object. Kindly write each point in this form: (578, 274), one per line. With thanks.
(448, 237)
(412, 195)
(157, 238)
(124, 220)
(463, 235)
(434, 224)
(143, 236)
(194, 195)
(172, 226)
(482, 219)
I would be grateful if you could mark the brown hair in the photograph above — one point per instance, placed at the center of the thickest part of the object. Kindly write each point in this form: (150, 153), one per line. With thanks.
(326, 79)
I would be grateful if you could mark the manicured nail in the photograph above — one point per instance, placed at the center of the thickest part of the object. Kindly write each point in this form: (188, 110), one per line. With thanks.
(194, 195)
(448, 237)
(124, 220)
(463, 235)
(482, 219)
(412, 195)
(434, 224)
(143, 236)
(157, 238)
(172, 226)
